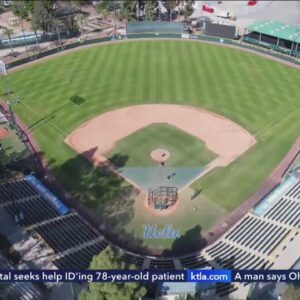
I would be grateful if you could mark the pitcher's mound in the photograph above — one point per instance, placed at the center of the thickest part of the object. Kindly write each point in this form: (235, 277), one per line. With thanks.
(160, 155)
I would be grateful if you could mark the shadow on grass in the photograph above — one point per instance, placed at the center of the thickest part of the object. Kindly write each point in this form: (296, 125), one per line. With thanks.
(108, 201)
(100, 195)
(50, 116)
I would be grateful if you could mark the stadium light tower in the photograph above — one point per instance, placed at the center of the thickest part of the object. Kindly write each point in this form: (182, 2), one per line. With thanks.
(6, 90)
(115, 16)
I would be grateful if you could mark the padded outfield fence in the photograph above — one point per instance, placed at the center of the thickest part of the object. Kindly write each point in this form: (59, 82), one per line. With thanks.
(154, 27)
(152, 36)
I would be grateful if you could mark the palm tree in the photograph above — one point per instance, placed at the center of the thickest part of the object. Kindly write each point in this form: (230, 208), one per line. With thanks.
(22, 11)
(36, 38)
(170, 6)
(9, 32)
(105, 14)
(102, 9)
(82, 18)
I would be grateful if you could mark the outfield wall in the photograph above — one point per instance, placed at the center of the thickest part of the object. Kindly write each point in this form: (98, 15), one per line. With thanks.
(221, 41)
(156, 27)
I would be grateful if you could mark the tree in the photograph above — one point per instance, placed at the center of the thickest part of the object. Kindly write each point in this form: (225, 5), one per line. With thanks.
(24, 12)
(108, 259)
(23, 9)
(69, 25)
(56, 25)
(42, 15)
(82, 18)
(102, 10)
(170, 6)
(151, 10)
(130, 9)
(291, 293)
(188, 8)
(9, 32)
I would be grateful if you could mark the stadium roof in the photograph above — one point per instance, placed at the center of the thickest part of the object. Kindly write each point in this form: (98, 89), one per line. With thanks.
(277, 29)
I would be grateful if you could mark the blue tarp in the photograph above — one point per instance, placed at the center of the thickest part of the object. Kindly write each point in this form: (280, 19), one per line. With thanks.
(60, 207)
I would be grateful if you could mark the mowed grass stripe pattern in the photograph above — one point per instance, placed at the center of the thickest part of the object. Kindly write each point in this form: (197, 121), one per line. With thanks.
(248, 89)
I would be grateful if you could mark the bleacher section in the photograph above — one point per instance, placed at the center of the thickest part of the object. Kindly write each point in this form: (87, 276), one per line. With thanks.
(224, 289)
(80, 259)
(17, 290)
(72, 239)
(194, 262)
(131, 259)
(257, 234)
(294, 193)
(162, 264)
(252, 243)
(286, 210)
(15, 190)
(67, 233)
(233, 257)
(34, 210)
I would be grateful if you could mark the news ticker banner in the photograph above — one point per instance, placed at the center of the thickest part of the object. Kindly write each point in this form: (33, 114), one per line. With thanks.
(151, 276)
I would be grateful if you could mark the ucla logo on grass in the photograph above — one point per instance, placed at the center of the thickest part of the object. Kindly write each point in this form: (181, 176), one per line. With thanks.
(155, 232)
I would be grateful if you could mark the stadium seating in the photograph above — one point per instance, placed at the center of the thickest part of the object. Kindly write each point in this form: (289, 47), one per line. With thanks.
(162, 264)
(66, 233)
(194, 261)
(229, 256)
(34, 210)
(17, 290)
(285, 211)
(133, 259)
(15, 190)
(224, 289)
(80, 259)
(73, 240)
(257, 234)
(294, 192)
(248, 245)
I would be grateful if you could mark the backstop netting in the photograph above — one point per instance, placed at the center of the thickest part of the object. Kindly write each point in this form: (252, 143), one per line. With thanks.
(162, 197)
(154, 27)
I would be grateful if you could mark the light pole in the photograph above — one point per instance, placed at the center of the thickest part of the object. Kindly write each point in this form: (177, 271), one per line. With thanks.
(3, 74)
(115, 16)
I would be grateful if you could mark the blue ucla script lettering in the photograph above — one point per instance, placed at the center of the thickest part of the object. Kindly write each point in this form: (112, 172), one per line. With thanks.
(167, 232)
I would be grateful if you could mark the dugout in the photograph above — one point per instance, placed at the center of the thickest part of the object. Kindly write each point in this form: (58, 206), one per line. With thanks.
(154, 27)
(274, 35)
(219, 30)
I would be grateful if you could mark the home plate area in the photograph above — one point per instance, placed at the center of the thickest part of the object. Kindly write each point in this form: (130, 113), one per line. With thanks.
(149, 177)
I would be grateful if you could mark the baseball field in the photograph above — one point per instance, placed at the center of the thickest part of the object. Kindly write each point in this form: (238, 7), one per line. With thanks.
(255, 93)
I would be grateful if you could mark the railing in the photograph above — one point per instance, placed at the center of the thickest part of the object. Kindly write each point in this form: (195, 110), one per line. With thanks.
(150, 35)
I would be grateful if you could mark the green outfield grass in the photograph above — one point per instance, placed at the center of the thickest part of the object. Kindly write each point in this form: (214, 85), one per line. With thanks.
(259, 94)
(185, 150)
